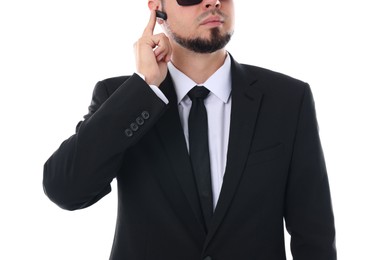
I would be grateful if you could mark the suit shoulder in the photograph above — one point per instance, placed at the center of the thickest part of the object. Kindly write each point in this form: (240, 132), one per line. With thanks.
(276, 80)
(278, 87)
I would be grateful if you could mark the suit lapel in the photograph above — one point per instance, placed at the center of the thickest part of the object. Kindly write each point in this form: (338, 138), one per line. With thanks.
(172, 137)
(246, 100)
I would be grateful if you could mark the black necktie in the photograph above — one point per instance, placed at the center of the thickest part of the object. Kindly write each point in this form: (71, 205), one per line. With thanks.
(199, 149)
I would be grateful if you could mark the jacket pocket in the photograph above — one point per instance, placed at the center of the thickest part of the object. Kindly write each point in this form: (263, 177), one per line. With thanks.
(265, 155)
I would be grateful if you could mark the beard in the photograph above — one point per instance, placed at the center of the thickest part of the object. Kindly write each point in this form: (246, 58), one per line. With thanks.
(216, 41)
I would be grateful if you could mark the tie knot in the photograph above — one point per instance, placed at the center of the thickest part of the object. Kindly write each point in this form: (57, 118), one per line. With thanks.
(198, 92)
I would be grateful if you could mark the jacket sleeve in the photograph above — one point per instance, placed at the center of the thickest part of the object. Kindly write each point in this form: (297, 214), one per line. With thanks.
(79, 173)
(308, 211)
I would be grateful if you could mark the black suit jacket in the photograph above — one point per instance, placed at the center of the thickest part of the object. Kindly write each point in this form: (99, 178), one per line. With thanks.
(275, 170)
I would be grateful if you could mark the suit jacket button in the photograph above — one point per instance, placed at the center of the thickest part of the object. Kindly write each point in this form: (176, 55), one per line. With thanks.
(145, 115)
(140, 120)
(134, 126)
(128, 132)
(208, 258)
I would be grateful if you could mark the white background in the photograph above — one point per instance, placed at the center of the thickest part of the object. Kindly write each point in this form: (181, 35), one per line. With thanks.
(53, 52)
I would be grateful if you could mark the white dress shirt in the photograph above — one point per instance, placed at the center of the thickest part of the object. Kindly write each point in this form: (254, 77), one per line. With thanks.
(218, 106)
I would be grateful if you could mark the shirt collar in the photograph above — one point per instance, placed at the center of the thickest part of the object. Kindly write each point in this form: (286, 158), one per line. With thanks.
(219, 83)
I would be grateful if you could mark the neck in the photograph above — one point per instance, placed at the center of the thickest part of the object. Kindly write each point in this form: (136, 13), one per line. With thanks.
(197, 66)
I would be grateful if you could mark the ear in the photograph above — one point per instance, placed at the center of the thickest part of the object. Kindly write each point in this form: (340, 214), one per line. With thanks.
(153, 4)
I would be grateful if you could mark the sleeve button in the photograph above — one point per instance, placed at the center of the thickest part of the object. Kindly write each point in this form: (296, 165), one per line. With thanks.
(128, 132)
(145, 115)
(140, 120)
(134, 127)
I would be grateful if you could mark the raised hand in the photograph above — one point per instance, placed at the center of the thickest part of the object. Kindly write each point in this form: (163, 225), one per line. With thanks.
(152, 53)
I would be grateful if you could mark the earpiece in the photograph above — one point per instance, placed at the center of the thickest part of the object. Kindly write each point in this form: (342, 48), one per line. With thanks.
(161, 15)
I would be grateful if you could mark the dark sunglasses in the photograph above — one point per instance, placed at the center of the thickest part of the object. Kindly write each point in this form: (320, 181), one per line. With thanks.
(164, 16)
(188, 2)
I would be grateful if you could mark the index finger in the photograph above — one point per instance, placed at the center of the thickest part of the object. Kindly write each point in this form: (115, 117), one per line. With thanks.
(151, 24)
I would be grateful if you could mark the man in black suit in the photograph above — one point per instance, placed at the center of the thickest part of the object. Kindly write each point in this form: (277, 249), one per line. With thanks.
(206, 172)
